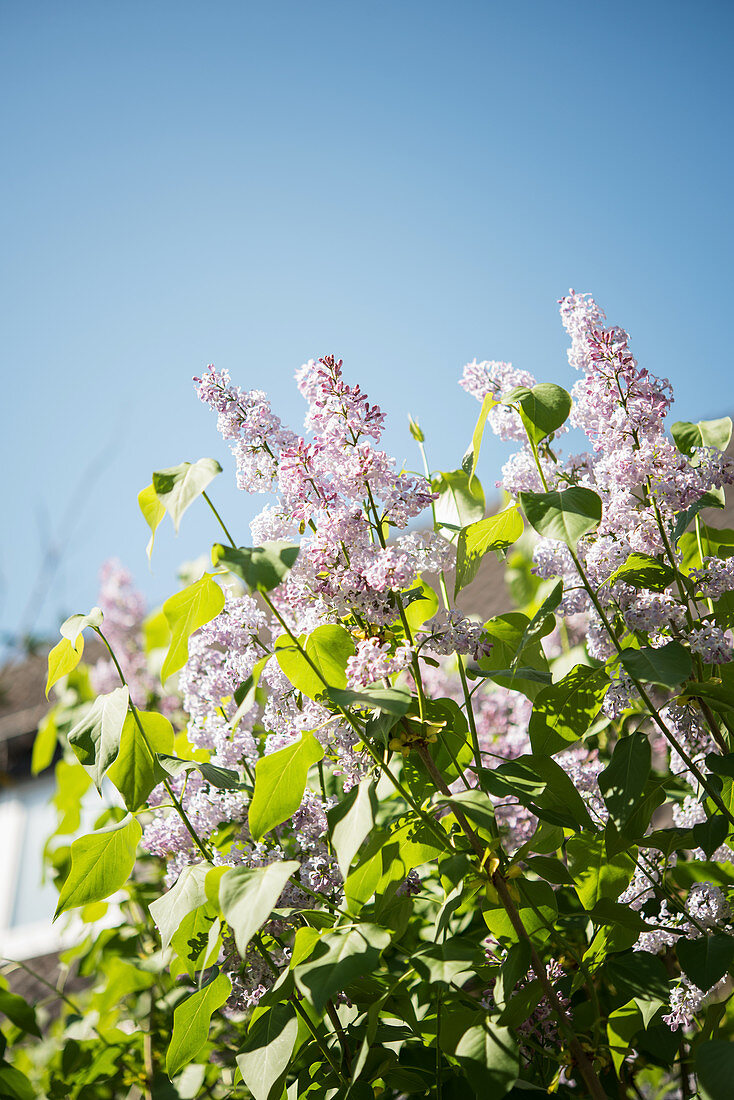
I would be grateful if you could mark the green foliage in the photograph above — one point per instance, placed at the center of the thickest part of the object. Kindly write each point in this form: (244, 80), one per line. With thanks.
(564, 712)
(96, 736)
(271, 1038)
(460, 500)
(248, 896)
(706, 433)
(643, 571)
(543, 409)
(136, 769)
(565, 515)
(669, 666)
(262, 568)
(178, 486)
(471, 458)
(494, 533)
(280, 780)
(186, 612)
(317, 661)
(191, 1021)
(63, 659)
(101, 863)
(625, 777)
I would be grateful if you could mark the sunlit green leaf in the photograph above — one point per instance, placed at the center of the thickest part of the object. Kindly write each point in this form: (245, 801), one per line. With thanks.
(101, 864)
(248, 896)
(153, 512)
(327, 650)
(280, 780)
(262, 568)
(191, 1020)
(186, 612)
(178, 486)
(494, 533)
(565, 515)
(136, 770)
(96, 736)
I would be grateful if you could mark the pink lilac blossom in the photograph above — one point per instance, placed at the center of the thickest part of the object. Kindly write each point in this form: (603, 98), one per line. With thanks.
(255, 434)
(373, 661)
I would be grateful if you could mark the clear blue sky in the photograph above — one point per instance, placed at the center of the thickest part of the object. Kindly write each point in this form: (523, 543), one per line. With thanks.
(408, 184)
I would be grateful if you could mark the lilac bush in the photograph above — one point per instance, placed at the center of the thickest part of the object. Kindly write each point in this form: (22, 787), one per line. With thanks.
(372, 845)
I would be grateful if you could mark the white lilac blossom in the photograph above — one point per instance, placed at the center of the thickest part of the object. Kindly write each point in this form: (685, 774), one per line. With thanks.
(715, 578)
(713, 643)
(620, 695)
(686, 723)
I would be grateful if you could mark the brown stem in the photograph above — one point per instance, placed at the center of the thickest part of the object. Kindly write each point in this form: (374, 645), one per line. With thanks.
(585, 1066)
(346, 1053)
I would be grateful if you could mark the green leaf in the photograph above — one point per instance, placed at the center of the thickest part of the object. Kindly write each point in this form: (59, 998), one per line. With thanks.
(14, 1085)
(248, 896)
(191, 1020)
(543, 409)
(153, 512)
(136, 770)
(706, 433)
(487, 1054)
(563, 515)
(449, 963)
(338, 958)
(187, 894)
(63, 659)
(643, 571)
(327, 648)
(623, 780)
(542, 785)
(596, 874)
(268, 1047)
(395, 701)
(471, 458)
(225, 779)
(415, 430)
(280, 780)
(420, 603)
(72, 627)
(506, 632)
(706, 959)
(474, 804)
(640, 975)
(96, 736)
(179, 486)
(262, 568)
(350, 822)
(623, 1024)
(19, 1012)
(494, 533)
(101, 863)
(460, 502)
(44, 745)
(668, 666)
(715, 1069)
(538, 909)
(563, 712)
(186, 612)
(197, 939)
